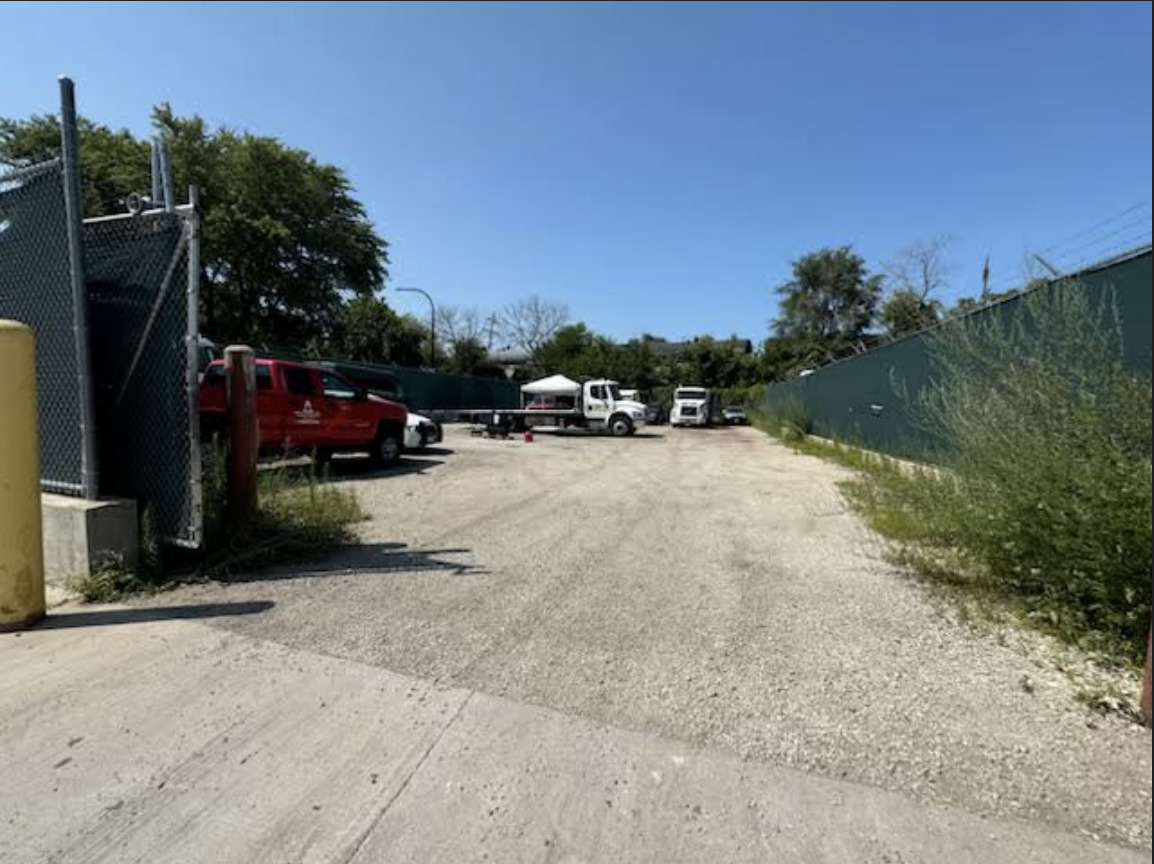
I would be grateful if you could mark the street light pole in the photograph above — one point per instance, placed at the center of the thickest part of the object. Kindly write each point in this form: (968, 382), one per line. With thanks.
(432, 323)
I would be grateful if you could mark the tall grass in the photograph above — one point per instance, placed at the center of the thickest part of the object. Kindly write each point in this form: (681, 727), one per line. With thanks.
(1046, 503)
(785, 418)
(299, 518)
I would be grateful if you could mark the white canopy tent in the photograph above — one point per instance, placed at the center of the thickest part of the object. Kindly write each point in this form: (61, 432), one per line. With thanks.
(554, 385)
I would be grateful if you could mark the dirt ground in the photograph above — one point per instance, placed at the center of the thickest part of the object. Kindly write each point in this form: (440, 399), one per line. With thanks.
(709, 586)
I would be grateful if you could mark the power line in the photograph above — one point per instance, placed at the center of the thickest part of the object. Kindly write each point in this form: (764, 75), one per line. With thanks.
(1078, 234)
(1129, 226)
(1129, 244)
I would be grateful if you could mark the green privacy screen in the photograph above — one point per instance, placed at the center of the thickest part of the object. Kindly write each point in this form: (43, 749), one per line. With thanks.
(430, 391)
(857, 400)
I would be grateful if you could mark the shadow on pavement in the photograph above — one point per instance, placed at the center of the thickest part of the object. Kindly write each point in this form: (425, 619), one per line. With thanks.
(369, 559)
(355, 468)
(104, 617)
(433, 451)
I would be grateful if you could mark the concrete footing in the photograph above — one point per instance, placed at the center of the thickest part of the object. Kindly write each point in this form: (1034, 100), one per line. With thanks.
(81, 536)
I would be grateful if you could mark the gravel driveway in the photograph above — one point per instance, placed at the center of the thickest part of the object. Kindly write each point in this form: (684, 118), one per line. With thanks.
(707, 585)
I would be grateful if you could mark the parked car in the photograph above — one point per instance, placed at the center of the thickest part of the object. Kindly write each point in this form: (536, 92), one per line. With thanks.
(420, 432)
(734, 415)
(299, 407)
(656, 414)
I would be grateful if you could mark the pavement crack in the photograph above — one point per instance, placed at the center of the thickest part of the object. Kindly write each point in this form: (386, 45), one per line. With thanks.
(363, 837)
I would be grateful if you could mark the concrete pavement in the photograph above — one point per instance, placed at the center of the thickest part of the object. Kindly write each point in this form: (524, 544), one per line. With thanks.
(135, 736)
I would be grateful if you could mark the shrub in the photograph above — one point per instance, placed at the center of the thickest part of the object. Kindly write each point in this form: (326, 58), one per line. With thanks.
(299, 518)
(1047, 437)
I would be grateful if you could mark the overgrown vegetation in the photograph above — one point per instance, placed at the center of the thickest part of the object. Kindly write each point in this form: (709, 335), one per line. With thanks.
(108, 581)
(300, 518)
(1044, 506)
(785, 419)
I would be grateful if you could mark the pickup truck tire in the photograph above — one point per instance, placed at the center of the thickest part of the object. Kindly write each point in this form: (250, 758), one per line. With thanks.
(387, 446)
(620, 426)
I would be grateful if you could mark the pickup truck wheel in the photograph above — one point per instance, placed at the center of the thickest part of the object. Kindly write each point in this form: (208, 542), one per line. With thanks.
(620, 426)
(387, 447)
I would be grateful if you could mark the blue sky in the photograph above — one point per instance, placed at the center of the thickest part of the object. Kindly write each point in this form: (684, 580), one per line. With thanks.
(656, 167)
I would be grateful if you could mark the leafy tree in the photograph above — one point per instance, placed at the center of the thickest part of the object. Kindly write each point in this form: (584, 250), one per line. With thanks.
(114, 162)
(919, 272)
(831, 298)
(905, 312)
(786, 356)
(566, 352)
(368, 330)
(715, 363)
(284, 239)
(470, 357)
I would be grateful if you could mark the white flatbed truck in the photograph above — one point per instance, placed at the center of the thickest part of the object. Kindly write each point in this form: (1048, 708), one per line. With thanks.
(560, 403)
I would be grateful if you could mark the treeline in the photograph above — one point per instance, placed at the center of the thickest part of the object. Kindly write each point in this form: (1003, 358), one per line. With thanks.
(292, 262)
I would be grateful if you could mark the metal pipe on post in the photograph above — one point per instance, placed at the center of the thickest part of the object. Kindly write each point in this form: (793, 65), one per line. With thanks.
(157, 187)
(166, 179)
(22, 600)
(74, 213)
(432, 323)
(240, 362)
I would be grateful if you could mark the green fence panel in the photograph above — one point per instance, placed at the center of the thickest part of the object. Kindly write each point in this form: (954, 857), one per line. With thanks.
(860, 399)
(422, 390)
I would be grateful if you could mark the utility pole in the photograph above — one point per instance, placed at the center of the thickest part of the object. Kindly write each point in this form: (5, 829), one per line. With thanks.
(986, 278)
(492, 332)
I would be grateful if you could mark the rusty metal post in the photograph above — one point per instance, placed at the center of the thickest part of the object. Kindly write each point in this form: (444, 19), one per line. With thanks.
(240, 361)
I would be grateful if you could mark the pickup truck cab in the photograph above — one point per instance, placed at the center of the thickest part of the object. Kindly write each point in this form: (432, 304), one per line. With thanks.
(299, 407)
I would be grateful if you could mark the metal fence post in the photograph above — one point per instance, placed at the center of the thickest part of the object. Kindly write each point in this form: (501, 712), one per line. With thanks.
(74, 213)
(193, 363)
(240, 362)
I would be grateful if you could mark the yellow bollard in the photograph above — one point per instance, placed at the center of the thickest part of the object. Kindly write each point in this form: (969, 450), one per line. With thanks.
(21, 552)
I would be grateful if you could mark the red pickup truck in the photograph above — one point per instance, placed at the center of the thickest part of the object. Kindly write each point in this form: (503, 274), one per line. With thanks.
(302, 408)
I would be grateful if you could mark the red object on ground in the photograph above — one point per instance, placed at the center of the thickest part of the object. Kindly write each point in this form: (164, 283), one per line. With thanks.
(528, 436)
(301, 407)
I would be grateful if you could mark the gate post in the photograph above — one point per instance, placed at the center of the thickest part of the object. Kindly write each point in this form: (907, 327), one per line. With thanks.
(22, 600)
(240, 362)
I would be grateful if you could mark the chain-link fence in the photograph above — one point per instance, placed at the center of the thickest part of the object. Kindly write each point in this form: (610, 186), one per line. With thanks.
(36, 288)
(142, 303)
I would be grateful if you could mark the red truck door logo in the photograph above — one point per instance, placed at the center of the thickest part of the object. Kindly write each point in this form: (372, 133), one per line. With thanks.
(307, 415)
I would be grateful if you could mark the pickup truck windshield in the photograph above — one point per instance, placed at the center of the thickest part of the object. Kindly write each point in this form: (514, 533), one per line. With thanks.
(689, 394)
